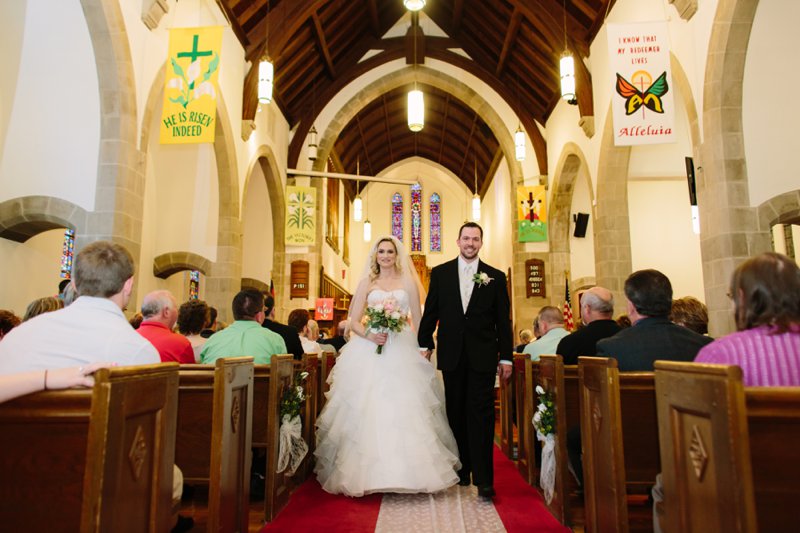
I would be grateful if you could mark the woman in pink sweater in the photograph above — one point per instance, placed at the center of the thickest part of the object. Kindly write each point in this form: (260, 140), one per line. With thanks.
(766, 293)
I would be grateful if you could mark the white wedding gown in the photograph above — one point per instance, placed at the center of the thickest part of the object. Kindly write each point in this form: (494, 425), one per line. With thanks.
(384, 426)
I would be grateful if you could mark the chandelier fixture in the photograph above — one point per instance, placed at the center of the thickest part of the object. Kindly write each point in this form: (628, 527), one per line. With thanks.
(476, 200)
(367, 231)
(567, 68)
(414, 5)
(519, 143)
(266, 72)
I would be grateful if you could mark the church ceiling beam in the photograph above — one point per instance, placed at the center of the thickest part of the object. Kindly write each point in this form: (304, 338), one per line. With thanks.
(388, 128)
(487, 179)
(325, 52)
(444, 125)
(508, 42)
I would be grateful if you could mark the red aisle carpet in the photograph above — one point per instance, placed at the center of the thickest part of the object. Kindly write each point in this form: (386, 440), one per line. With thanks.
(310, 508)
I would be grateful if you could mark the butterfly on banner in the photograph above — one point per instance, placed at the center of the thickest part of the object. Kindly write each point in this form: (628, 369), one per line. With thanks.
(650, 97)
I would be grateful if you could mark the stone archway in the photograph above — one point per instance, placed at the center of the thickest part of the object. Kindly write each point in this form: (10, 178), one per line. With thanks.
(22, 218)
(117, 214)
(559, 217)
(459, 90)
(167, 264)
(730, 227)
(264, 157)
(223, 278)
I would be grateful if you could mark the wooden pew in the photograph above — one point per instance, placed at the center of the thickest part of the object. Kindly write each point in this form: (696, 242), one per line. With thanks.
(524, 375)
(310, 364)
(214, 436)
(605, 504)
(729, 453)
(231, 438)
(551, 378)
(506, 397)
(96, 459)
(281, 376)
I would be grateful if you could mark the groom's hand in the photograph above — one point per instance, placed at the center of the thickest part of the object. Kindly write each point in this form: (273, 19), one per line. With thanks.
(504, 371)
(426, 353)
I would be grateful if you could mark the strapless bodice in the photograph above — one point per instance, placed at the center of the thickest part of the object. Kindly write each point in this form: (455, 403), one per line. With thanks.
(380, 296)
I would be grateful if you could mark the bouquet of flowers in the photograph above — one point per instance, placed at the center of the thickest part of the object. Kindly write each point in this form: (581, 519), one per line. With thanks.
(384, 317)
(544, 419)
(293, 397)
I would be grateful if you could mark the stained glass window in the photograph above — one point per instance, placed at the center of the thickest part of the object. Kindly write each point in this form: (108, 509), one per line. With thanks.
(194, 284)
(416, 218)
(397, 216)
(68, 254)
(436, 222)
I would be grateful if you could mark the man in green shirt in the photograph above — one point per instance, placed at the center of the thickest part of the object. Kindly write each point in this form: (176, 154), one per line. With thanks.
(245, 337)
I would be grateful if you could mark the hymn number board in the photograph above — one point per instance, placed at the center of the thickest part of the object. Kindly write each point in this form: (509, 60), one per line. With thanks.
(534, 278)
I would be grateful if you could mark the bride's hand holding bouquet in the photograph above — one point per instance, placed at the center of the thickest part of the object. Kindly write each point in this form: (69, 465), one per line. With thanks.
(382, 319)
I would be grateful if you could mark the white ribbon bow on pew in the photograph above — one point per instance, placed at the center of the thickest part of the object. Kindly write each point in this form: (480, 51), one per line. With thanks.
(547, 474)
(292, 447)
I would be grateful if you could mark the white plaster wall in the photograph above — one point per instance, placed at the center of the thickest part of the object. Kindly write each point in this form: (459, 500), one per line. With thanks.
(257, 241)
(661, 234)
(12, 24)
(377, 205)
(770, 143)
(33, 267)
(51, 142)
(582, 249)
(496, 220)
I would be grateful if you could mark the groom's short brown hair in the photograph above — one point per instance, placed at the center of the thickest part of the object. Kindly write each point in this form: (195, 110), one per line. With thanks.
(470, 225)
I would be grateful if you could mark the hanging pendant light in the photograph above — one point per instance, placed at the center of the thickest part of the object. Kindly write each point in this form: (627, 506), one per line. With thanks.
(416, 110)
(367, 231)
(265, 77)
(414, 5)
(357, 207)
(567, 68)
(416, 102)
(266, 71)
(312, 143)
(519, 144)
(476, 200)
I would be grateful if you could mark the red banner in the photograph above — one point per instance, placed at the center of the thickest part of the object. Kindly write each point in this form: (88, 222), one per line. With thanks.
(323, 310)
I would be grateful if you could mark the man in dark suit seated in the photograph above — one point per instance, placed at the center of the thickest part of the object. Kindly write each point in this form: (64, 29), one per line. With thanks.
(290, 335)
(652, 336)
(597, 309)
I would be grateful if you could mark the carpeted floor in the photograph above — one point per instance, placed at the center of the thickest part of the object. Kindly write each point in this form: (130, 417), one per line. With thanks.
(518, 507)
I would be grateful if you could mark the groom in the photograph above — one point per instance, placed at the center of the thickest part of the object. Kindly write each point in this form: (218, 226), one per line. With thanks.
(469, 301)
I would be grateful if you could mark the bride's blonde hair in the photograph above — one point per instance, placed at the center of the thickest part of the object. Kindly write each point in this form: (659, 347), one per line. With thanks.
(374, 268)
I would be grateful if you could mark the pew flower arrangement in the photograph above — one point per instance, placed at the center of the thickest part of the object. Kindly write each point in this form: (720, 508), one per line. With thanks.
(544, 420)
(384, 317)
(292, 447)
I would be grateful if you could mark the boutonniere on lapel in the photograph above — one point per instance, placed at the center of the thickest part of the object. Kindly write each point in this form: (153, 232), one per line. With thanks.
(481, 278)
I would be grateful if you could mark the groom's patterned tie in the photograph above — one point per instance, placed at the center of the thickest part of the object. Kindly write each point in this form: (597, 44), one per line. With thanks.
(466, 286)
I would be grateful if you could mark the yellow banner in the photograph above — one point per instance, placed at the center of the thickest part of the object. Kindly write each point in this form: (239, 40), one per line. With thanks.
(190, 87)
(532, 213)
(301, 215)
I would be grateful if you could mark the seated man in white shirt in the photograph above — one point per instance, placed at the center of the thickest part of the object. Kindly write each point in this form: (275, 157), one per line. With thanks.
(92, 329)
(551, 326)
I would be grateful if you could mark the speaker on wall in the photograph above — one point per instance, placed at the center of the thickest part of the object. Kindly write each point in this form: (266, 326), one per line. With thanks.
(581, 222)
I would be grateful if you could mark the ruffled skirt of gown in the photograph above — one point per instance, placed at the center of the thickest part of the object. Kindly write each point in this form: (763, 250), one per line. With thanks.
(384, 426)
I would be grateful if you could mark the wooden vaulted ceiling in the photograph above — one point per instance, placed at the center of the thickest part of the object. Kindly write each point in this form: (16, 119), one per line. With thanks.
(318, 47)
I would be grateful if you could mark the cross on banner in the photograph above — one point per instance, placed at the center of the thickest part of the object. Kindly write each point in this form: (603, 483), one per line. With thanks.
(195, 53)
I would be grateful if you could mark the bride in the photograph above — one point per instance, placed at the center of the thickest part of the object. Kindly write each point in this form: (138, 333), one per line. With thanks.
(384, 427)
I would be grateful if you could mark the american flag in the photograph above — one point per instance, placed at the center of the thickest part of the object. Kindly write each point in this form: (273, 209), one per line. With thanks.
(569, 325)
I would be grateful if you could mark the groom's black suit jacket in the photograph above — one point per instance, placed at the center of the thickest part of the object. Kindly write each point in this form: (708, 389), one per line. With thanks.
(483, 333)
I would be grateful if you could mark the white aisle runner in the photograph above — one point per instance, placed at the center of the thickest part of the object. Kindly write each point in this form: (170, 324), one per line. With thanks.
(455, 510)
